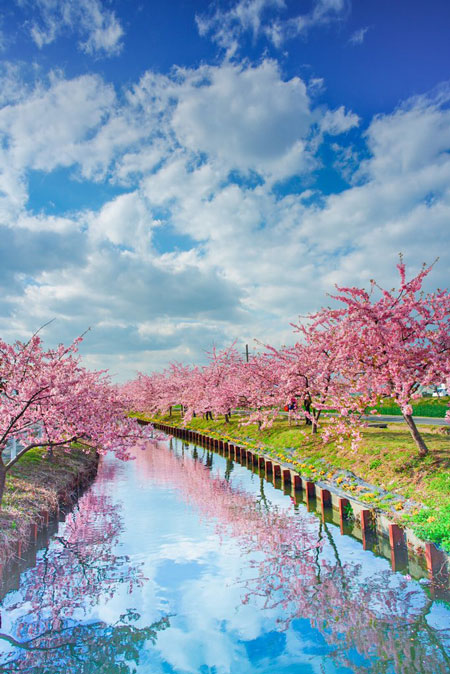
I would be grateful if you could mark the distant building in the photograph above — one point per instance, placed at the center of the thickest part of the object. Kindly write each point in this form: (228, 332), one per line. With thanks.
(435, 390)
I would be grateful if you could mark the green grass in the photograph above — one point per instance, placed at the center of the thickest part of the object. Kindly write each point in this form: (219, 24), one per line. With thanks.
(387, 459)
(422, 407)
(433, 524)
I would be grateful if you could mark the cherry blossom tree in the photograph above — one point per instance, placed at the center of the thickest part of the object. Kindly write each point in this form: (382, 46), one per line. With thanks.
(261, 386)
(220, 383)
(378, 343)
(392, 345)
(47, 399)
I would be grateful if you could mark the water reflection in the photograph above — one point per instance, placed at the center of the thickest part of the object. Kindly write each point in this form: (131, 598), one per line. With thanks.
(221, 575)
(380, 615)
(83, 648)
(51, 628)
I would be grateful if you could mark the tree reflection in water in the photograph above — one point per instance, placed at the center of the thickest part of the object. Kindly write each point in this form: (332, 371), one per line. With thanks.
(298, 573)
(80, 569)
(293, 572)
(84, 648)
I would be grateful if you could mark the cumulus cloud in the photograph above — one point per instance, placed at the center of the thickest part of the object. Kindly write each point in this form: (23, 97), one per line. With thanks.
(98, 29)
(25, 254)
(124, 221)
(46, 129)
(247, 117)
(200, 153)
(413, 138)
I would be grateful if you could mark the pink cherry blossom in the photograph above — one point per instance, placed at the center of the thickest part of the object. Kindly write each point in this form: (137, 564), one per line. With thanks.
(47, 399)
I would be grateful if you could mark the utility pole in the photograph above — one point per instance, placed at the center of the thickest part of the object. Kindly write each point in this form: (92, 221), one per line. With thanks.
(246, 353)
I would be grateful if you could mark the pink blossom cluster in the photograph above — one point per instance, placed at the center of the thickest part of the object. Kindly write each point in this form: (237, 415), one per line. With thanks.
(48, 399)
(376, 344)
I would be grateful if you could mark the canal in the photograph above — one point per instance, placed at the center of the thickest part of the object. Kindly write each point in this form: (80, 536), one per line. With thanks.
(183, 561)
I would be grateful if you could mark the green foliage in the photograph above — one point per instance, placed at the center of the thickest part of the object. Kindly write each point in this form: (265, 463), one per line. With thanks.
(33, 485)
(433, 525)
(375, 463)
(348, 511)
(33, 456)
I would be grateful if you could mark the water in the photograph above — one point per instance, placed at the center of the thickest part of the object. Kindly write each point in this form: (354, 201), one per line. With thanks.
(183, 561)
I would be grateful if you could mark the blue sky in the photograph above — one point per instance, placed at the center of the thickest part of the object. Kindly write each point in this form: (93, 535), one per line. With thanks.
(179, 174)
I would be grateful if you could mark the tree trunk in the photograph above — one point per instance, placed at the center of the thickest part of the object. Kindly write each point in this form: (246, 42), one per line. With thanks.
(315, 421)
(2, 481)
(226, 419)
(307, 406)
(170, 410)
(421, 446)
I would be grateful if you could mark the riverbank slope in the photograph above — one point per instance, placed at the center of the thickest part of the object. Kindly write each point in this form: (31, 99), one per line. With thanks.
(35, 487)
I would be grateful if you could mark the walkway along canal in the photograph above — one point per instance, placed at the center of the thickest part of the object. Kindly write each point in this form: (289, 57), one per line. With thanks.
(186, 560)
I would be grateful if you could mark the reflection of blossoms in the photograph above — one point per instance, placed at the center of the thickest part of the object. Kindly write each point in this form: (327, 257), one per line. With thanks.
(256, 526)
(383, 615)
(77, 572)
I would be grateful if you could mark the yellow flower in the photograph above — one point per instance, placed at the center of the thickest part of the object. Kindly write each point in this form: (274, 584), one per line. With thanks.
(431, 519)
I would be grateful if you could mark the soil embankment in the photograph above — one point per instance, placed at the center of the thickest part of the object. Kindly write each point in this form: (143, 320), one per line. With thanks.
(35, 488)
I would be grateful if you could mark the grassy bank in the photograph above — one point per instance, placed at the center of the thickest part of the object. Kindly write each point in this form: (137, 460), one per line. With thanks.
(416, 490)
(33, 486)
(422, 407)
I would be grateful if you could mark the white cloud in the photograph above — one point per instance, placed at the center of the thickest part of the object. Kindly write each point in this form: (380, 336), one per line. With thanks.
(413, 137)
(200, 152)
(262, 18)
(227, 26)
(249, 118)
(338, 121)
(13, 87)
(358, 36)
(98, 28)
(124, 221)
(322, 13)
(45, 130)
